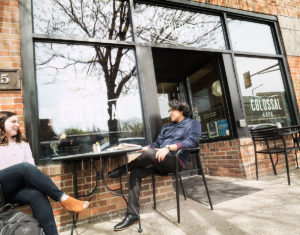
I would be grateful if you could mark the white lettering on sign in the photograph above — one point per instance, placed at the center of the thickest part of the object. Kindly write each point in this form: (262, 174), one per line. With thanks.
(265, 104)
(267, 114)
(4, 78)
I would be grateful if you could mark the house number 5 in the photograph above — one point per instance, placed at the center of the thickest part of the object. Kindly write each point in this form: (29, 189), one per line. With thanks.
(4, 78)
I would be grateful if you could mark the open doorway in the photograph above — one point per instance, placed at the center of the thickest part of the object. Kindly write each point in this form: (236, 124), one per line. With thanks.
(196, 78)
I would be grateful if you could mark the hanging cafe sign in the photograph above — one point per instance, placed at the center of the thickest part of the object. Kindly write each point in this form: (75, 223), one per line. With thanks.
(10, 79)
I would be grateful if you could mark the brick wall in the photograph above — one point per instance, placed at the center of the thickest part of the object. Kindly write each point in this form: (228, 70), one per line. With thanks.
(235, 158)
(294, 65)
(270, 7)
(10, 54)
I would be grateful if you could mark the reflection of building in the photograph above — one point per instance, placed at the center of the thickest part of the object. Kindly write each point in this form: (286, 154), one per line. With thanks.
(164, 54)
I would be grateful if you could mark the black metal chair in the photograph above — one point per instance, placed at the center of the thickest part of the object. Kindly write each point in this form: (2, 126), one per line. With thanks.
(272, 142)
(197, 168)
(294, 132)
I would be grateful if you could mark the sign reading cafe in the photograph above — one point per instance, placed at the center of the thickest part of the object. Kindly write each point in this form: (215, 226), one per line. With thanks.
(267, 107)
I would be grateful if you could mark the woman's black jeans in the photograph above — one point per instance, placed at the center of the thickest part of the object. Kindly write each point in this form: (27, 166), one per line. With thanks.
(24, 183)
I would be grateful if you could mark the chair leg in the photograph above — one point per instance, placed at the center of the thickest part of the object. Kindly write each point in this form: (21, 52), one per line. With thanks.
(205, 184)
(206, 188)
(182, 187)
(154, 197)
(296, 151)
(256, 170)
(177, 197)
(287, 167)
(274, 168)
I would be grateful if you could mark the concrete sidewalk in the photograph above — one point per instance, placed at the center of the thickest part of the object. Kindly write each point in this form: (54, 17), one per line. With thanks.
(273, 210)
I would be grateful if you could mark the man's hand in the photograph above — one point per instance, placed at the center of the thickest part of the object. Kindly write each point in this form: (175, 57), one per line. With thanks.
(161, 154)
(144, 149)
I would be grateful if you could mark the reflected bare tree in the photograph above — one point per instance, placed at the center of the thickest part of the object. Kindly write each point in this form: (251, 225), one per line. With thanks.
(109, 19)
(178, 27)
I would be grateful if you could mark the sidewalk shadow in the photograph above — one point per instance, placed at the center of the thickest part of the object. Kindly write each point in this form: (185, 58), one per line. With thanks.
(219, 190)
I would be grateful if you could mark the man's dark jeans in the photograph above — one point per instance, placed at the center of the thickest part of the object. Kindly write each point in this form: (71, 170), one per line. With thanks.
(144, 165)
(24, 183)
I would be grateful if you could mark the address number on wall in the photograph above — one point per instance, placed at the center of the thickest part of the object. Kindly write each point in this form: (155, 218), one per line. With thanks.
(10, 79)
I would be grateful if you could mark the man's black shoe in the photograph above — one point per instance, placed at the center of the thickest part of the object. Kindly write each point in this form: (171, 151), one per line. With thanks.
(126, 222)
(116, 173)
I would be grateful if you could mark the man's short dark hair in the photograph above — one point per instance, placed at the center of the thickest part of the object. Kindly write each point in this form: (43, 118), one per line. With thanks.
(180, 106)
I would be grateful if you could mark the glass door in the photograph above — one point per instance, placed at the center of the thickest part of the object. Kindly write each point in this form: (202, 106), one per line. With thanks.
(207, 100)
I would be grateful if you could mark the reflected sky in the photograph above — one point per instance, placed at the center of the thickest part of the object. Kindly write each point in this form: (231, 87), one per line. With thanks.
(251, 37)
(72, 92)
(177, 27)
(84, 18)
(267, 81)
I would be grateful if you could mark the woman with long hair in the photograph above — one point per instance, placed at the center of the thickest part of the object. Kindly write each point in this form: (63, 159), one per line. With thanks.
(22, 182)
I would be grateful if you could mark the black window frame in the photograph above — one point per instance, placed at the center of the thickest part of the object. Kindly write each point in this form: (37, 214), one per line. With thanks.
(236, 112)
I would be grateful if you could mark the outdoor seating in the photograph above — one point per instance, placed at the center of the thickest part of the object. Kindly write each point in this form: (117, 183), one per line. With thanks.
(193, 166)
(271, 141)
(294, 132)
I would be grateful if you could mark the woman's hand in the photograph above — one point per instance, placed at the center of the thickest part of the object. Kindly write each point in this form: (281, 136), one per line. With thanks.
(161, 154)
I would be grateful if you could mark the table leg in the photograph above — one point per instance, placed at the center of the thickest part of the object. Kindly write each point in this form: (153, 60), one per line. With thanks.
(75, 215)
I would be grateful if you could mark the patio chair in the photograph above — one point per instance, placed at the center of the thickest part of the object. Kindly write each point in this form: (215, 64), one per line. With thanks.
(272, 142)
(195, 159)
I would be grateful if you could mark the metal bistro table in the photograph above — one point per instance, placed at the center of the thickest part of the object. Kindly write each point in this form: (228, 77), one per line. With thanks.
(102, 156)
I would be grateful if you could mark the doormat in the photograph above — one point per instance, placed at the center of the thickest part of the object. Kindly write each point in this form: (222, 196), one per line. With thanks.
(219, 190)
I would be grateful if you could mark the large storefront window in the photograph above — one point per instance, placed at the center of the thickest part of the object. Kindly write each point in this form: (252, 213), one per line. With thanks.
(263, 92)
(103, 19)
(161, 25)
(251, 37)
(83, 97)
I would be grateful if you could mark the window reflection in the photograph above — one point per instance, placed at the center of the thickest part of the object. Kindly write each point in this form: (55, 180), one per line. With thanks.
(251, 37)
(83, 97)
(178, 27)
(168, 91)
(263, 91)
(105, 19)
(208, 101)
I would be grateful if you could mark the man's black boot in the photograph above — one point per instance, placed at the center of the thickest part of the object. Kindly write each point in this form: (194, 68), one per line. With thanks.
(116, 173)
(129, 220)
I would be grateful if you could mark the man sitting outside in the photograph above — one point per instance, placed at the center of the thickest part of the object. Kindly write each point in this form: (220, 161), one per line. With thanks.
(159, 156)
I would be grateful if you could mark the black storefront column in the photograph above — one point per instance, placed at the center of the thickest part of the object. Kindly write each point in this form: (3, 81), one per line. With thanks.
(148, 89)
(238, 113)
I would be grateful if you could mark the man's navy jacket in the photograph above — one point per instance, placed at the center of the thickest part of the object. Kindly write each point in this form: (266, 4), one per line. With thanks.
(184, 134)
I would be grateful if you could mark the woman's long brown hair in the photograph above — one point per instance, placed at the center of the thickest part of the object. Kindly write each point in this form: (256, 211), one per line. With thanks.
(4, 115)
